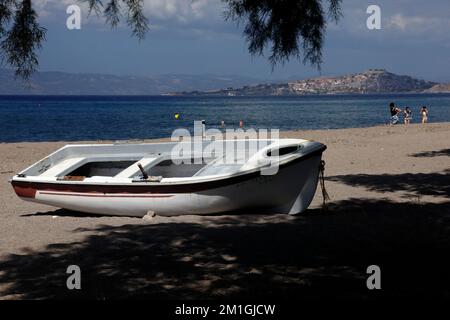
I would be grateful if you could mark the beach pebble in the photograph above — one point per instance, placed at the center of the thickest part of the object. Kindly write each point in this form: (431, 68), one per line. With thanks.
(149, 216)
(227, 257)
(255, 271)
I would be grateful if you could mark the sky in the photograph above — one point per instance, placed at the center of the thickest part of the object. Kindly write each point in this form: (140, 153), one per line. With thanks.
(191, 37)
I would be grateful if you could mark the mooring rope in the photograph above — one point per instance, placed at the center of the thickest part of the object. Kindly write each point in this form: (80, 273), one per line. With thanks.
(325, 195)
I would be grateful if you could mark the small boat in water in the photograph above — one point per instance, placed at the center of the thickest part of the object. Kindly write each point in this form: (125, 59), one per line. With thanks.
(280, 176)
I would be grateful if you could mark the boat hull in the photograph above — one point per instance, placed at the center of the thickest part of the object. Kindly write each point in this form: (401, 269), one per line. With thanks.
(290, 191)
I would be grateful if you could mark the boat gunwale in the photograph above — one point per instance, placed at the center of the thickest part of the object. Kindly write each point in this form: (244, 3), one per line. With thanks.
(155, 187)
(122, 144)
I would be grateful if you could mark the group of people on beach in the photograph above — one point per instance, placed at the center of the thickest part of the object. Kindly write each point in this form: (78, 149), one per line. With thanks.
(407, 114)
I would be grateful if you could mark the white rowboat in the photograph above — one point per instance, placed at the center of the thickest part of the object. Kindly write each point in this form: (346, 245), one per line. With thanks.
(135, 179)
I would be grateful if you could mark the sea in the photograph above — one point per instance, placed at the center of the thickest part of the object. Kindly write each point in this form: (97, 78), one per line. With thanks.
(77, 118)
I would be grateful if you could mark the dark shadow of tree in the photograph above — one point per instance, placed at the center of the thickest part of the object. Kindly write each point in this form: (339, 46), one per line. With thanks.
(434, 184)
(435, 153)
(312, 256)
(62, 213)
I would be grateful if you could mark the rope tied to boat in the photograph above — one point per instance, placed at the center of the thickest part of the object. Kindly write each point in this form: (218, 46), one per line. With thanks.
(325, 195)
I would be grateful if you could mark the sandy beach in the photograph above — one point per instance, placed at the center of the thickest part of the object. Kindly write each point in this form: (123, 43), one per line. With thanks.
(390, 206)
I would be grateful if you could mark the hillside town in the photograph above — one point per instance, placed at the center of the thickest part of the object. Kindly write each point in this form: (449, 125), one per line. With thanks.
(370, 81)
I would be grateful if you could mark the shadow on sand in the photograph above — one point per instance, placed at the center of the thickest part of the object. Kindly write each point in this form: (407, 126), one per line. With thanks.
(436, 153)
(61, 213)
(312, 256)
(432, 184)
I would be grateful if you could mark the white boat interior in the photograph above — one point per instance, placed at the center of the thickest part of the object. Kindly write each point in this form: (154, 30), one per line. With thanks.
(160, 162)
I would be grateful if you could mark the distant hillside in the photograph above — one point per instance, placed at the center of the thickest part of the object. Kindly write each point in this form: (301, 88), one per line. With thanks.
(371, 81)
(439, 88)
(60, 83)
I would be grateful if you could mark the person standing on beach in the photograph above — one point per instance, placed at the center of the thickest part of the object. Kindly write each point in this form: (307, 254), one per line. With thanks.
(407, 115)
(424, 113)
(394, 113)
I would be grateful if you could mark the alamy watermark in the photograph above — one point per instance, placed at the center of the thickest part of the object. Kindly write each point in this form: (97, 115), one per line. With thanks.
(229, 147)
(374, 280)
(73, 21)
(74, 280)
(374, 20)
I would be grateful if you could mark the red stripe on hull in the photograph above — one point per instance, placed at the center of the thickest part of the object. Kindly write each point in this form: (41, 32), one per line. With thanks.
(102, 195)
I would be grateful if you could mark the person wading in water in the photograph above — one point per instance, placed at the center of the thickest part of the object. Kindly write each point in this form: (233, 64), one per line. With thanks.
(407, 114)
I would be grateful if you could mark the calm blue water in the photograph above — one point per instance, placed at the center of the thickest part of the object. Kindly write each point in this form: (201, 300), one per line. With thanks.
(41, 118)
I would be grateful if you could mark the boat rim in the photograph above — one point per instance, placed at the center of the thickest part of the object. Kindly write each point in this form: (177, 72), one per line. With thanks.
(188, 181)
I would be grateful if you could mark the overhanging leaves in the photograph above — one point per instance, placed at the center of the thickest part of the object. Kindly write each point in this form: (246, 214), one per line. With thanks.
(291, 28)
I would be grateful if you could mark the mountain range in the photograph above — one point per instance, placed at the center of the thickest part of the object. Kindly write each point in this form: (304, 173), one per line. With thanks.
(61, 83)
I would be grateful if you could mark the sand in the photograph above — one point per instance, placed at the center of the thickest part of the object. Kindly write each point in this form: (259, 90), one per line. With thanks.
(389, 189)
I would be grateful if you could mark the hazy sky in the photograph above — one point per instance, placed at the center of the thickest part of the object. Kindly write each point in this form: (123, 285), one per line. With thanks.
(190, 36)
